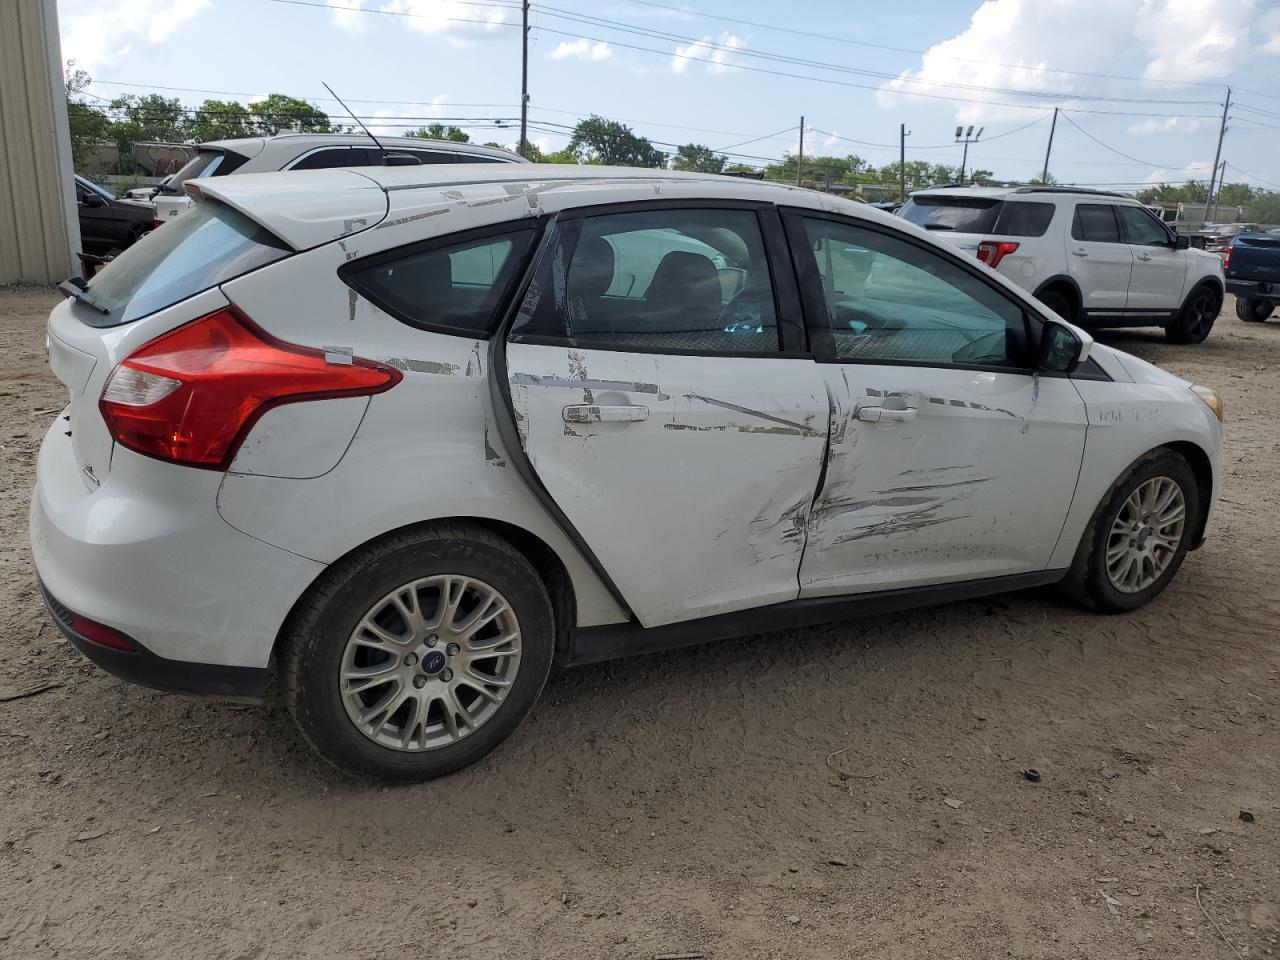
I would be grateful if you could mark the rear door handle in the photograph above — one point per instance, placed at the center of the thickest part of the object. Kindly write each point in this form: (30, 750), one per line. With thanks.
(1144, 256)
(885, 415)
(1079, 252)
(596, 413)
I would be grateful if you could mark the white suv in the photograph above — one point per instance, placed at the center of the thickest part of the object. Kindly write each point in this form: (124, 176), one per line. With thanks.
(312, 151)
(1096, 259)
(413, 435)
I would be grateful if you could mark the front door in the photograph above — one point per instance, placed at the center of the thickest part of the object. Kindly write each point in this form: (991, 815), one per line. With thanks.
(1159, 268)
(951, 459)
(1098, 259)
(653, 404)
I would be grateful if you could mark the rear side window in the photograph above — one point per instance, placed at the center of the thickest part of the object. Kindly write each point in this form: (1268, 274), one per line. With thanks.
(206, 246)
(1020, 218)
(329, 158)
(955, 214)
(1095, 223)
(455, 286)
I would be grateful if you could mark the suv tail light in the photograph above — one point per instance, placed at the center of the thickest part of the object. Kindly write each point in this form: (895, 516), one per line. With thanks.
(192, 395)
(991, 252)
(1226, 257)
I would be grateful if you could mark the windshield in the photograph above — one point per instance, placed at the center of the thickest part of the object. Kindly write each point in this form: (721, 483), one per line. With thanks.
(100, 191)
(205, 247)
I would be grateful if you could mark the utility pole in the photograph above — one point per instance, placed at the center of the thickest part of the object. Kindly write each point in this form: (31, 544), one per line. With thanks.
(800, 153)
(1222, 132)
(1222, 178)
(524, 79)
(966, 137)
(902, 162)
(1044, 177)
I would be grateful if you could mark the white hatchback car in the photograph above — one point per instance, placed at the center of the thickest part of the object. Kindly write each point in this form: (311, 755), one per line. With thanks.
(417, 434)
(1097, 259)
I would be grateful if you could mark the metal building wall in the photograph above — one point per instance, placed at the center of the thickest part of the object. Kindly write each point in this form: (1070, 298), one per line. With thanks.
(39, 224)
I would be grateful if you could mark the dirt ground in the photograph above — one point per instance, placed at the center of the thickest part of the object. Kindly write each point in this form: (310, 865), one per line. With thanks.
(845, 791)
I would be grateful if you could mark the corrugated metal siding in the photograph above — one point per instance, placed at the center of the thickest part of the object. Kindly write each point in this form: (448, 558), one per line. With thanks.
(38, 219)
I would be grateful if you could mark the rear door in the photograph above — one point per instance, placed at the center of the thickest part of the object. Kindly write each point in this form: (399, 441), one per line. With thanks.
(656, 405)
(951, 459)
(1159, 268)
(1098, 259)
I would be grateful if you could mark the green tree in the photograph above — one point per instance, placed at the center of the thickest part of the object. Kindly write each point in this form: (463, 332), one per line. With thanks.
(221, 120)
(438, 131)
(1266, 206)
(278, 112)
(1193, 191)
(597, 140)
(700, 159)
(980, 178)
(1236, 195)
(87, 123)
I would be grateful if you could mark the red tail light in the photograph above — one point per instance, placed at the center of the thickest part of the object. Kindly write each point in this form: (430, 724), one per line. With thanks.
(991, 252)
(193, 394)
(157, 223)
(1226, 257)
(101, 634)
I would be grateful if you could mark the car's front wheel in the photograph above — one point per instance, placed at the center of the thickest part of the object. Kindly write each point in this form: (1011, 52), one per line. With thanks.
(1253, 309)
(1195, 319)
(418, 655)
(1138, 536)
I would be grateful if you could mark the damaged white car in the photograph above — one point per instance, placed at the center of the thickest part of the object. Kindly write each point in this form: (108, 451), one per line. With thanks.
(415, 435)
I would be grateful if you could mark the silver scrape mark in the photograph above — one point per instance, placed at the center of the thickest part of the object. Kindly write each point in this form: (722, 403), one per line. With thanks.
(491, 455)
(802, 429)
(626, 386)
(577, 365)
(520, 410)
(422, 366)
(412, 217)
(899, 523)
(736, 428)
(474, 367)
(347, 255)
(351, 305)
(349, 226)
(970, 405)
(339, 355)
(936, 486)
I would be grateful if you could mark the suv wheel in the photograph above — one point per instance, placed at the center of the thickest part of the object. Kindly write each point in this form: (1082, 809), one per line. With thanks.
(420, 654)
(1139, 535)
(1253, 310)
(1059, 303)
(1195, 320)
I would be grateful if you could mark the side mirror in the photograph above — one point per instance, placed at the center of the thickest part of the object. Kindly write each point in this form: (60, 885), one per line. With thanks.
(91, 199)
(1060, 348)
(1181, 242)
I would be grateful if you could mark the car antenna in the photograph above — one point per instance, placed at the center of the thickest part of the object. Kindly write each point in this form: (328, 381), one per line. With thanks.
(357, 120)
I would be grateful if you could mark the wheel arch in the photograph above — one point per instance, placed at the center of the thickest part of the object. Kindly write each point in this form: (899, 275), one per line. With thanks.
(1068, 286)
(548, 565)
(1202, 467)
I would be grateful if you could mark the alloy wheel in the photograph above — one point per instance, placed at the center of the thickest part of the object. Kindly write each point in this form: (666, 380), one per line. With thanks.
(1145, 535)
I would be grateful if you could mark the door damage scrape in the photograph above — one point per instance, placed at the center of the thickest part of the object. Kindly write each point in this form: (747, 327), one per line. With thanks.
(739, 428)
(491, 455)
(410, 365)
(351, 305)
(943, 401)
(475, 367)
(520, 411)
(792, 427)
(626, 386)
(924, 497)
(411, 218)
(770, 529)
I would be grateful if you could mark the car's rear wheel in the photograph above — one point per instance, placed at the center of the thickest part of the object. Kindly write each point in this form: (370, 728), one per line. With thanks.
(1138, 536)
(1058, 301)
(1195, 319)
(420, 654)
(1253, 309)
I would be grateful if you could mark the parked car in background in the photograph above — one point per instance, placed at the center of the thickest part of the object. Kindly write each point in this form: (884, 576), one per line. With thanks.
(1251, 264)
(107, 223)
(1097, 259)
(313, 151)
(562, 414)
(146, 193)
(1217, 236)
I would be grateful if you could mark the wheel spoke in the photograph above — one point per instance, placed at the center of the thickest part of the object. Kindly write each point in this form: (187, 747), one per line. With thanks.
(483, 615)
(417, 718)
(406, 602)
(382, 706)
(369, 634)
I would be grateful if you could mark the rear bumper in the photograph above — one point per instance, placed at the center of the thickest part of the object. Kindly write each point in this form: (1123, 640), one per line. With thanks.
(1254, 289)
(143, 667)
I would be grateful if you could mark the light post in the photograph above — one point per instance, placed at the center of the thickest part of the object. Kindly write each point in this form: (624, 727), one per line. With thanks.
(966, 137)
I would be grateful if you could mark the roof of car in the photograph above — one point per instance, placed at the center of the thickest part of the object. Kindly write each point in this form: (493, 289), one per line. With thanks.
(288, 145)
(306, 208)
(951, 190)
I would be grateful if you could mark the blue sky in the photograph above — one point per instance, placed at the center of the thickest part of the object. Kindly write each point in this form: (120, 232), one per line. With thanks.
(1141, 82)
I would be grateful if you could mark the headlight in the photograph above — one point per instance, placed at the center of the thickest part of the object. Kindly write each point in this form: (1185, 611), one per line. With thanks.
(1211, 399)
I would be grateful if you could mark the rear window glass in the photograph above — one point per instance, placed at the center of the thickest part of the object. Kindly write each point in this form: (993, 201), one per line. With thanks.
(457, 287)
(204, 247)
(1006, 218)
(206, 163)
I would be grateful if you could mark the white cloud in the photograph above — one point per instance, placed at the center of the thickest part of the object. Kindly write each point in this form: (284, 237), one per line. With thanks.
(716, 54)
(1195, 170)
(394, 127)
(1167, 125)
(346, 15)
(581, 49)
(95, 34)
(1008, 43)
(461, 24)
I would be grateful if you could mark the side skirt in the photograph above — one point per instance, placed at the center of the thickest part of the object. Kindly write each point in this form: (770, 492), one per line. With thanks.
(1127, 318)
(614, 640)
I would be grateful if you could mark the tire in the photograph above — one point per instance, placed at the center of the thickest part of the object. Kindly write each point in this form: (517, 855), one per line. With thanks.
(321, 649)
(1059, 303)
(1253, 309)
(1195, 319)
(1089, 580)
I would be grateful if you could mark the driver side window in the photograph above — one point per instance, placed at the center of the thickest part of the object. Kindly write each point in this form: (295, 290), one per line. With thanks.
(693, 280)
(888, 300)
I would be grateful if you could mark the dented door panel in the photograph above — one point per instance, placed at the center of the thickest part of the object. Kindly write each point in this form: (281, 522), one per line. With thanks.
(975, 482)
(696, 507)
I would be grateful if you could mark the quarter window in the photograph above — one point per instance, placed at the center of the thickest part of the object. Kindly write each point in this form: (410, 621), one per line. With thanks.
(686, 280)
(1142, 228)
(325, 159)
(455, 286)
(889, 300)
(1095, 223)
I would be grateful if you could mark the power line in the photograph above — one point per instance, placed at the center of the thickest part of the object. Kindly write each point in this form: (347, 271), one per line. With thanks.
(1119, 153)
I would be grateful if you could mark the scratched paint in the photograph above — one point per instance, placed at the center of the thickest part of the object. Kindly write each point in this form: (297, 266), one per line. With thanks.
(626, 386)
(410, 365)
(801, 429)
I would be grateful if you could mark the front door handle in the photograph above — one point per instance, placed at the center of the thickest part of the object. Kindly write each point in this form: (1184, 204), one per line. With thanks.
(599, 413)
(1079, 252)
(886, 415)
(1144, 256)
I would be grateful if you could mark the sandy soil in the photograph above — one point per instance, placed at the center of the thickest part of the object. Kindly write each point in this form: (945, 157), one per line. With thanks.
(782, 796)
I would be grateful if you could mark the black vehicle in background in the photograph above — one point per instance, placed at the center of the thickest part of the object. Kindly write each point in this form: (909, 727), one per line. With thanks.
(107, 223)
(1251, 266)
